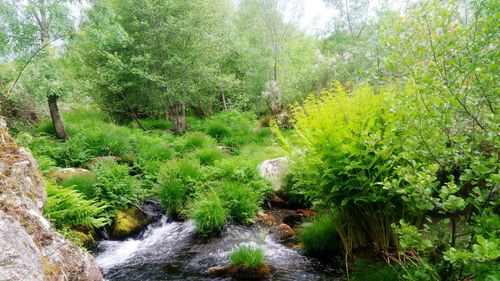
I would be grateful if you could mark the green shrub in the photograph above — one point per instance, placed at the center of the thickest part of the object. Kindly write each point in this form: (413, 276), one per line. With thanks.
(208, 213)
(83, 183)
(320, 237)
(246, 256)
(344, 147)
(115, 186)
(67, 208)
(208, 156)
(241, 201)
(176, 180)
(374, 270)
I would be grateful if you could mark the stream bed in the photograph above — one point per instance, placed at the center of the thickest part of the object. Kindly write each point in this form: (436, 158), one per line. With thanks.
(170, 250)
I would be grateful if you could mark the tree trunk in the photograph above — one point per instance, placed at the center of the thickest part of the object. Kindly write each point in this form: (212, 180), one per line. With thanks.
(56, 118)
(178, 112)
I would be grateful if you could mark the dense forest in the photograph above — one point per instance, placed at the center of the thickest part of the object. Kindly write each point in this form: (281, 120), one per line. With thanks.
(386, 119)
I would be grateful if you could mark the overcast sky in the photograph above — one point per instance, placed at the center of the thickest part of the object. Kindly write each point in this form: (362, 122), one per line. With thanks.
(315, 16)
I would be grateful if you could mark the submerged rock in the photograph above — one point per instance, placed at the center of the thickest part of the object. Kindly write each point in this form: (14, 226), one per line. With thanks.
(30, 249)
(274, 170)
(241, 272)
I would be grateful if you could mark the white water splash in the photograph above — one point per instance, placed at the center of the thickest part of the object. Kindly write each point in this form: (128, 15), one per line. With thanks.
(167, 233)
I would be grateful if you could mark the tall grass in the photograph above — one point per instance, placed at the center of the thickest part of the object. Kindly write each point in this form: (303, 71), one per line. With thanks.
(208, 213)
(247, 256)
(241, 201)
(320, 237)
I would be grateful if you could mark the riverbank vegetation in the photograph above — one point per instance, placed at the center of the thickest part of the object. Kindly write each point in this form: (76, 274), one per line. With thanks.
(389, 121)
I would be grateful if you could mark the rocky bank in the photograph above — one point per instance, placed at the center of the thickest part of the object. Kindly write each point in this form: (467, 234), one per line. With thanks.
(30, 249)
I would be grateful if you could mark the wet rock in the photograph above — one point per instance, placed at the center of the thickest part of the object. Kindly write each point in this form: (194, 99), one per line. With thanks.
(240, 272)
(306, 212)
(274, 170)
(153, 209)
(265, 218)
(30, 249)
(277, 202)
(129, 221)
(285, 232)
(66, 173)
(294, 220)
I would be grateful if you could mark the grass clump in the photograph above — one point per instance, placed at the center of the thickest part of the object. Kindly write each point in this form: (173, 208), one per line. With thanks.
(195, 140)
(208, 156)
(155, 124)
(83, 183)
(320, 237)
(208, 213)
(241, 201)
(246, 256)
(176, 180)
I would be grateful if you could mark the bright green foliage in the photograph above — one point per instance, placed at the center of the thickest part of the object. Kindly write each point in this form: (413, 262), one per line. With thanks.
(67, 208)
(207, 156)
(247, 256)
(82, 183)
(240, 200)
(344, 146)
(208, 213)
(176, 181)
(320, 237)
(115, 186)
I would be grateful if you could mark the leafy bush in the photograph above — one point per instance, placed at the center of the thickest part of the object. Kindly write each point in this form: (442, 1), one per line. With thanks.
(82, 183)
(208, 156)
(247, 256)
(176, 180)
(320, 237)
(241, 200)
(208, 213)
(115, 186)
(343, 149)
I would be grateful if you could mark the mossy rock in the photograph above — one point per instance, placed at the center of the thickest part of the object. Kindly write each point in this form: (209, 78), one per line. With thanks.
(240, 272)
(128, 222)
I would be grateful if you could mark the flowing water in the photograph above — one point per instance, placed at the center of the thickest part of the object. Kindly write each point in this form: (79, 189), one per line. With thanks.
(170, 250)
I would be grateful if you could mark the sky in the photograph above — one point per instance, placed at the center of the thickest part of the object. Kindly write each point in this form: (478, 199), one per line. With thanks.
(315, 16)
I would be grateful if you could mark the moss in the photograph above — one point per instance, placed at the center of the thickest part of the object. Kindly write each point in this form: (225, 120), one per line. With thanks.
(128, 221)
(48, 269)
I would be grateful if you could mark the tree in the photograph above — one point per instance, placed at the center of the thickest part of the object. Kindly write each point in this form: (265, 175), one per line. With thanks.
(162, 56)
(32, 28)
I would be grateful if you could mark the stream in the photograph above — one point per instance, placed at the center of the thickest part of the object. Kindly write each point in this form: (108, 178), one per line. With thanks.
(170, 250)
